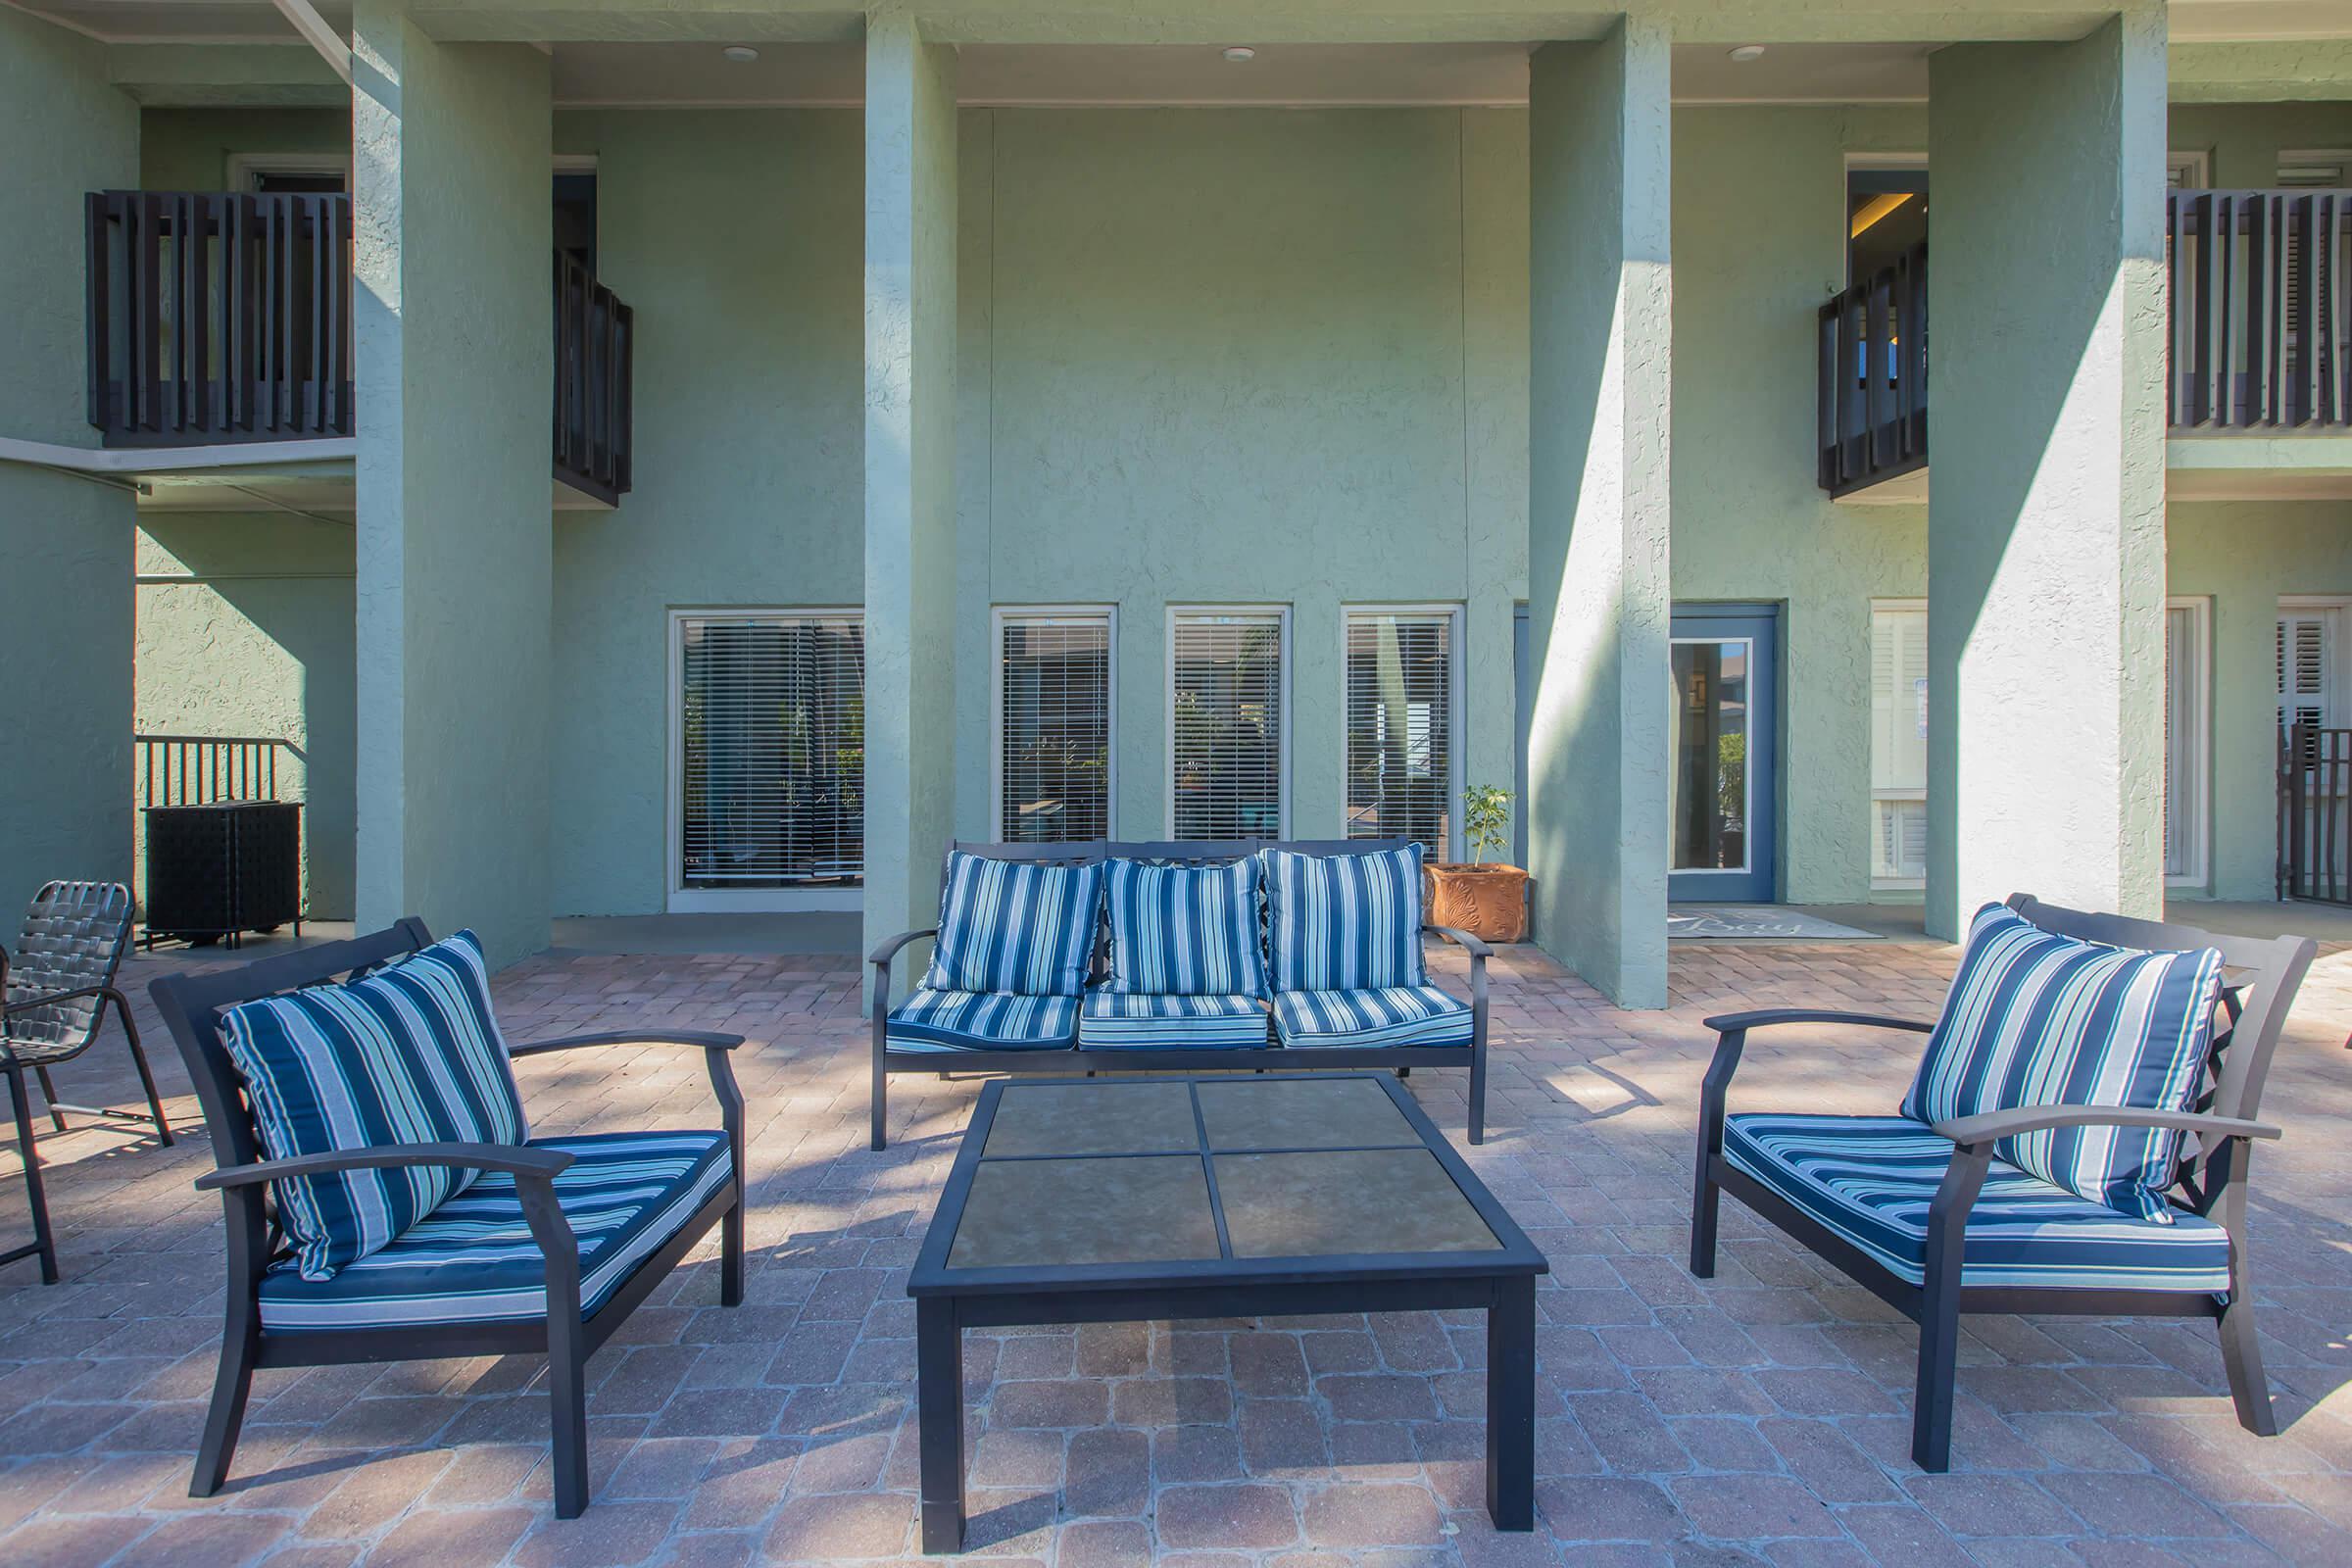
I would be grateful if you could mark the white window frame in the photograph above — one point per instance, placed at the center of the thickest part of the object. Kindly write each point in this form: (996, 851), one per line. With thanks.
(1897, 884)
(1453, 849)
(2338, 157)
(2194, 165)
(679, 898)
(242, 167)
(999, 619)
(2196, 748)
(1168, 782)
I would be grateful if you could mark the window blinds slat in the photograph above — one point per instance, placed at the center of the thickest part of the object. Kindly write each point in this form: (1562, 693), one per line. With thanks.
(1226, 743)
(773, 751)
(1053, 728)
(1400, 763)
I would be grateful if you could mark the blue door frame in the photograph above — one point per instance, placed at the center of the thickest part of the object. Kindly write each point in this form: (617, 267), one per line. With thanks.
(1723, 838)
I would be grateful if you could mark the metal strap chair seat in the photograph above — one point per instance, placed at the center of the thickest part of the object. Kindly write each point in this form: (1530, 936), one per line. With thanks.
(57, 984)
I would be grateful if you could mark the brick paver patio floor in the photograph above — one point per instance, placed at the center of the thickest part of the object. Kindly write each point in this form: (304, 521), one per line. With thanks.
(1758, 1417)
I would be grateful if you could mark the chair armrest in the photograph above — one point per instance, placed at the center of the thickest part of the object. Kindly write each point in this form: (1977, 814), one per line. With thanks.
(513, 1158)
(1990, 1126)
(704, 1039)
(1469, 944)
(51, 999)
(1766, 1017)
(889, 950)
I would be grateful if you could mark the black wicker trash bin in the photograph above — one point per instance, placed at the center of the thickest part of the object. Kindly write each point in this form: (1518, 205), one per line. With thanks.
(222, 869)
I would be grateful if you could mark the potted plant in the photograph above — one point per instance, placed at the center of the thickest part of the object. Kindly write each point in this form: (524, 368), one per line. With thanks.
(1488, 901)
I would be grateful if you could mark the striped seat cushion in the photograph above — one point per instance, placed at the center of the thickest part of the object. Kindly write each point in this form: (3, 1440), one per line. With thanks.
(1015, 926)
(409, 1054)
(1392, 1016)
(474, 1260)
(1343, 922)
(2036, 1018)
(981, 1021)
(1115, 1020)
(1870, 1178)
(1184, 930)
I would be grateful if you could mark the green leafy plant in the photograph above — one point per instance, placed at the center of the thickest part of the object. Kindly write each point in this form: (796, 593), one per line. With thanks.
(1485, 820)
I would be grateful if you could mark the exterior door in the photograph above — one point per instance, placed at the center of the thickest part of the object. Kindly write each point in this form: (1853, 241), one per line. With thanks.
(1722, 772)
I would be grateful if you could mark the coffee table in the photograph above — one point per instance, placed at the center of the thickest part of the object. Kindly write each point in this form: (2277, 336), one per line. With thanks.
(1135, 1199)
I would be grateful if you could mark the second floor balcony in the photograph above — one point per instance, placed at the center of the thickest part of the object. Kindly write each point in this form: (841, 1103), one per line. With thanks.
(223, 317)
(2260, 286)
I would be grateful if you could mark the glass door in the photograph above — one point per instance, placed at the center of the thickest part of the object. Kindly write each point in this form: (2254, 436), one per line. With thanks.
(1722, 772)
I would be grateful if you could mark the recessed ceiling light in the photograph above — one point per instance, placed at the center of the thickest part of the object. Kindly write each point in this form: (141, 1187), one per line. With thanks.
(743, 54)
(1241, 52)
(1747, 53)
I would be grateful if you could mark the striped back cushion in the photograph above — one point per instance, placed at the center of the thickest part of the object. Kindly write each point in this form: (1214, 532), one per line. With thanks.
(409, 1054)
(1185, 930)
(1015, 926)
(1344, 923)
(2036, 1018)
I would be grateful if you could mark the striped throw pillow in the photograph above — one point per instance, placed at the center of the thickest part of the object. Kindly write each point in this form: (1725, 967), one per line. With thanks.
(1184, 930)
(1015, 926)
(2036, 1018)
(1344, 923)
(409, 1054)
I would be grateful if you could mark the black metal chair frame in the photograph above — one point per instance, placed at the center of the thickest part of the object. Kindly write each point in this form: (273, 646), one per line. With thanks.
(2260, 981)
(97, 995)
(1400, 1060)
(191, 1005)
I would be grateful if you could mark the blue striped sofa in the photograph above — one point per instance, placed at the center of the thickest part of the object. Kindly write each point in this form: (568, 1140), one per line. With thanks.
(1238, 954)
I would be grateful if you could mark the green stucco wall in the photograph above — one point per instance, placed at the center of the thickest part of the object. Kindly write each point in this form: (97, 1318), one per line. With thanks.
(188, 149)
(245, 628)
(65, 542)
(2243, 141)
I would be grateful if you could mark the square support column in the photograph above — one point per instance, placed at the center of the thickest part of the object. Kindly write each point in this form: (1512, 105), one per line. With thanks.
(911, 242)
(1599, 412)
(65, 612)
(2045, 517)
(452, 268)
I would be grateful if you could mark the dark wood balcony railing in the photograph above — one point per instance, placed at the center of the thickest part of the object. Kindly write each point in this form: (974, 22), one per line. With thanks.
(221, 317)
(216, 316)
(2261, 301)
(1874, 382)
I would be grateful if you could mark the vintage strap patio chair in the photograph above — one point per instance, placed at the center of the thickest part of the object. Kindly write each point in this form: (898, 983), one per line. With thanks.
(58, 984)
(1958, 1213)
(520, 1245)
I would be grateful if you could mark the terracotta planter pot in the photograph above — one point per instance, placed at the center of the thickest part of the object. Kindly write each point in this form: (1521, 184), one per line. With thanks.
(1490, 902)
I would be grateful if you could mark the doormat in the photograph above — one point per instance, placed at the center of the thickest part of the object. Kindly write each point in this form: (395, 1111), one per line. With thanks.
(1755, 923)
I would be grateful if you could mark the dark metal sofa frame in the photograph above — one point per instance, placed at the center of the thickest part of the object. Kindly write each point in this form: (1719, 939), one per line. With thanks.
(2260, 981)
(1398, 1058)
(53, 999)
(191, 1005)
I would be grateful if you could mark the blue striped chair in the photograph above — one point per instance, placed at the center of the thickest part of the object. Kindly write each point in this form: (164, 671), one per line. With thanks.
(477, 1238)
(2041, 1162)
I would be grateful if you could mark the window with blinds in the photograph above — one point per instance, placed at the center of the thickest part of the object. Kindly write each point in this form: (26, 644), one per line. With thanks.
(2307, 670)
(1225, 732)
(1898, 744)
(772, 751)
(1401, 707)
(1053, 727)
(2184, 739)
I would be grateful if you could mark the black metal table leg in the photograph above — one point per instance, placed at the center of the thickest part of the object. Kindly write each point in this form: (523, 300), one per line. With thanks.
(939, 1413)
(1511, 1406)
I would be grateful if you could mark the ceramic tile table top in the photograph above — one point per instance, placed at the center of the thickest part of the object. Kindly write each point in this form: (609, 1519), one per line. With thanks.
(1085, 1200)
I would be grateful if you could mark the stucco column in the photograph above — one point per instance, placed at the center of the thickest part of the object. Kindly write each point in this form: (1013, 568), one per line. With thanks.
(453, 361)
(65, 617)
(1598, 467)
(911, 242)
(2045, 517)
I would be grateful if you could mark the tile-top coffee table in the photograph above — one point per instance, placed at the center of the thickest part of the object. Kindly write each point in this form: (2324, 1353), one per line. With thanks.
(1115, 1200)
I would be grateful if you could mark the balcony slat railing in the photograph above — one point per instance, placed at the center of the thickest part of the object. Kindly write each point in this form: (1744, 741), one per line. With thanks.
(2261, 300)
(2261, 310)
(1873, 377)
(225, 316)
(594, 346)
(219, 316)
